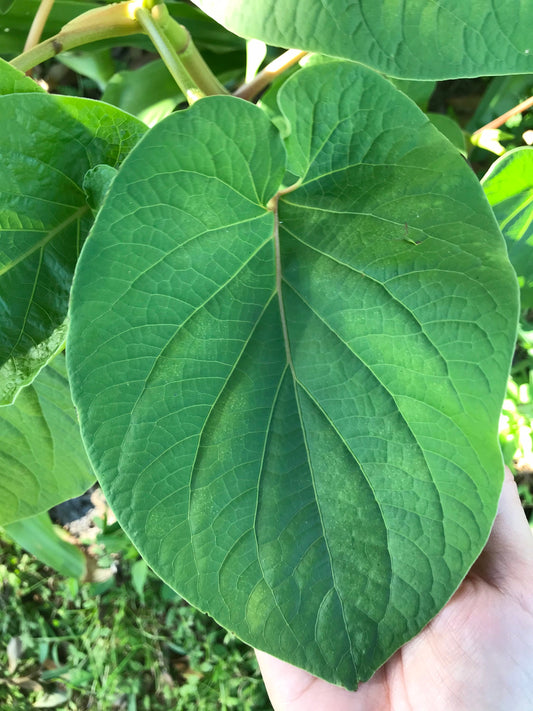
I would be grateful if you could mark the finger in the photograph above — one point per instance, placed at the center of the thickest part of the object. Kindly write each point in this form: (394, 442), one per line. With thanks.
(295, 689)
(507, 560)
(285, 683)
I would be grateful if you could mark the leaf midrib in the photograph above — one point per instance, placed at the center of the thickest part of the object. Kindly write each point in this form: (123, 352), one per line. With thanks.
(45, 240)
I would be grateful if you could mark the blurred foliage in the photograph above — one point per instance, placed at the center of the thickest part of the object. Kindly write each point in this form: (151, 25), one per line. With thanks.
(516, 421)
(124, 643)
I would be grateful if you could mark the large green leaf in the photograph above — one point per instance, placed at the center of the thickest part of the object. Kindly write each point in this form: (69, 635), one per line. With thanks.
(508, 186)
(414, 39)
(291, 400)
(50, 142)
(42, 459)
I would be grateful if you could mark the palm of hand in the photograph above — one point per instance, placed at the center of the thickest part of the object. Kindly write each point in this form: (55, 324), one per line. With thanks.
(474, 656)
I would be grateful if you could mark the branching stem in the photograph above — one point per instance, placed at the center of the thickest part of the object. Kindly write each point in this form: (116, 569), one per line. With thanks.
(267, 75)
(191, 59)
(37, 26)
(172, 41)
(169, 55)
(176, 48)
(497, 122)
(106, 22)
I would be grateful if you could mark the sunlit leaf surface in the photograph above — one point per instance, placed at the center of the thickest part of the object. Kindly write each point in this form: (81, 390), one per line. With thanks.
(289, 362)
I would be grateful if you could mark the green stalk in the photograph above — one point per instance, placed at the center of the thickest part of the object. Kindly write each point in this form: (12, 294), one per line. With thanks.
(39, 21)
(190, 58)
(101, 23)
(167, 52)
(171, 40)
(267, 75)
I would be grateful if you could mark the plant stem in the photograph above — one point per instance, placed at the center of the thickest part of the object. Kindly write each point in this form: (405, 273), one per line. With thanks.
(497, 122)
(266, 76)
(172, 41)
(189, 57)
(182, 59)
(101, 23)
(37, 26)
(168, 54)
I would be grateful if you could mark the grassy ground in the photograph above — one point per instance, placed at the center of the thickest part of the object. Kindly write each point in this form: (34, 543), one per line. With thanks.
(127, 643)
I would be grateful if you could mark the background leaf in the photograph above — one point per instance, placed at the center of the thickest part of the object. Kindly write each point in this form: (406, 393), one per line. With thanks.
(501, 95)
(150, 92)
(418, 91)
(5, 6)
(42, 460)
(272, 419)
(412, 39)
(508, 186)
(14, 82)
(449, 128)
(39, 537)
(15, 23)
(96, 64)
(44, 217)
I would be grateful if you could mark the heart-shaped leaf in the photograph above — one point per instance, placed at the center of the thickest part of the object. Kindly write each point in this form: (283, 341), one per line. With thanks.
(414, 39)
(49, 144)
(42, 459)
(290, 393)
(508, 186)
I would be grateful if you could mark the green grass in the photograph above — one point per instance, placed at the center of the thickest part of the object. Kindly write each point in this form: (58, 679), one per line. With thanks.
(128, 643)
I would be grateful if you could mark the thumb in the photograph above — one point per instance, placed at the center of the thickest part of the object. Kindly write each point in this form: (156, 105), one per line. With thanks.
(507, 560)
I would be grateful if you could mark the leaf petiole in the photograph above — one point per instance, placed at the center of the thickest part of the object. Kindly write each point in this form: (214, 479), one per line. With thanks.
(267, 75)
(175, 47)
(189, 57)
(37, 26)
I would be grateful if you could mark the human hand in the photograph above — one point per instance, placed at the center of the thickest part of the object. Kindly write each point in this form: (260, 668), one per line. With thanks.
(475, 655)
